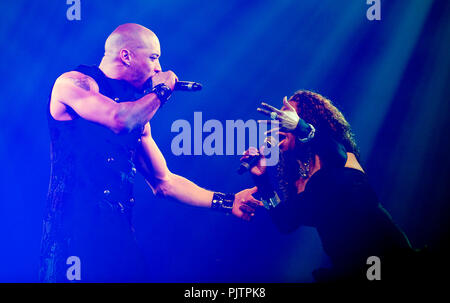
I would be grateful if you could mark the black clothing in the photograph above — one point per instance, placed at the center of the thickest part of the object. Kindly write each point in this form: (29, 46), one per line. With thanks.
(339, 202)
(90, 196)
(341, 205)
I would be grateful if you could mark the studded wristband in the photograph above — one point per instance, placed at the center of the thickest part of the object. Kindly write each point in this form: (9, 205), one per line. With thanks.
(271, 202)
(222, 202)
(304, 131)
(163, 92)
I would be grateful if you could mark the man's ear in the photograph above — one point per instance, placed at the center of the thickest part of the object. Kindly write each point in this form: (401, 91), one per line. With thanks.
(125, 56)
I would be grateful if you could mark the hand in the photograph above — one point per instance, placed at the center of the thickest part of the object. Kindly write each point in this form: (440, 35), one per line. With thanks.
(260, 167)
(245, 204)
(168, 78)
(286, 119)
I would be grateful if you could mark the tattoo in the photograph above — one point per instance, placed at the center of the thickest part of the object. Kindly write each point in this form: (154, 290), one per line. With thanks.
(82, 82)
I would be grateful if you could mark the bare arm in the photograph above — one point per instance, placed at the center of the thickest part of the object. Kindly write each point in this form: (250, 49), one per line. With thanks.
(151, 163)
(81, 93)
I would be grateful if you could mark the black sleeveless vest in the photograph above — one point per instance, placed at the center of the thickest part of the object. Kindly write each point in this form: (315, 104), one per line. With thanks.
(90, 194)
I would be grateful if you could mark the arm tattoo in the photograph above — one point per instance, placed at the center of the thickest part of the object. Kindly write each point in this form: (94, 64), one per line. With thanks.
(82, 82)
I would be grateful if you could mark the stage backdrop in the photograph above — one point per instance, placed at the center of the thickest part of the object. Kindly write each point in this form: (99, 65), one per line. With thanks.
(390, 77)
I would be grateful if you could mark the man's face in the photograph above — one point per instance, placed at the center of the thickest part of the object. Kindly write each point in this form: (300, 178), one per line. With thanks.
(145, 63)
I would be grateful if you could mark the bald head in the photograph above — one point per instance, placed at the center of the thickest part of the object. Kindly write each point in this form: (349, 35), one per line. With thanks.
(131, 53)
(129, 36)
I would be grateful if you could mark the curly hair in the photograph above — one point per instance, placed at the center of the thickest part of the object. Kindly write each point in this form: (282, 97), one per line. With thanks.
(328, 121)
(326, 118)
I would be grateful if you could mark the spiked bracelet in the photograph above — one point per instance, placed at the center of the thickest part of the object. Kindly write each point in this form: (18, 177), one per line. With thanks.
(163, 92)
(222, 202)
(271, 202)
(269, 196)
(304, 131)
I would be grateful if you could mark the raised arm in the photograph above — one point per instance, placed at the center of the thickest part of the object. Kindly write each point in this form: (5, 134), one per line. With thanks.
(152, 165)
(80, 93)
(330, 151)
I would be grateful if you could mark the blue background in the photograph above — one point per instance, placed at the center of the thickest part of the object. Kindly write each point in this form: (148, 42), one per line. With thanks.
(390, 78)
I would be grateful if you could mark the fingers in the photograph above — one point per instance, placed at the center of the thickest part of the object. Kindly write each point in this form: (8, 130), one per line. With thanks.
(268, 110)
(275, 129)
(250, 205)
(271, 108)
(269, 121)
(287, 104)
(252, 151)
(246, 209)
(263, 111)
(246, 215)
(253, 203)
(253, 190)
(261, 150)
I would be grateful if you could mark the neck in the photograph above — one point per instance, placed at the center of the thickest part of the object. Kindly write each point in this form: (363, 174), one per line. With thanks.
(116, 70)
(314, 166)
(111, 69)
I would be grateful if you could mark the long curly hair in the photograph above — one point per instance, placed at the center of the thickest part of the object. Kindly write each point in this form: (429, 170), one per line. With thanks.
(328, 122)
(326, 118)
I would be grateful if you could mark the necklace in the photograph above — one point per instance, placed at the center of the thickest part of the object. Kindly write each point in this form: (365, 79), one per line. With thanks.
(304, 169)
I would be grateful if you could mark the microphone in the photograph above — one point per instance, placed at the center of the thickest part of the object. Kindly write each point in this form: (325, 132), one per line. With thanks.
(187, 86)
(251, 161)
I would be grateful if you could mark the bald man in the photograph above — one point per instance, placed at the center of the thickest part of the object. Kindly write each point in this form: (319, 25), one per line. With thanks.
(100, 137)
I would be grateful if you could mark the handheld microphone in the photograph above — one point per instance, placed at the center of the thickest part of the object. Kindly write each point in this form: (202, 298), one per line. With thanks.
(187, 86)
(251, 161)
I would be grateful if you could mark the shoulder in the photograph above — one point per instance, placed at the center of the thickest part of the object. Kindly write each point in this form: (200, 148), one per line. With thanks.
(78, 79)
(68, 87)
(337, 177)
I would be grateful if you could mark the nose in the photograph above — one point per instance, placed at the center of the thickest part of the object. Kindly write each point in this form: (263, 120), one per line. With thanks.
(158, 67)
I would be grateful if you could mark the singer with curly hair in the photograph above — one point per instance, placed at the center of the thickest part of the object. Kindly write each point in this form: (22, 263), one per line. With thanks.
(320, 183)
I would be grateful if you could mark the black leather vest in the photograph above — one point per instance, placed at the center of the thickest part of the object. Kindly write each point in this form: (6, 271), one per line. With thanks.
(87, 159)
(90, 193)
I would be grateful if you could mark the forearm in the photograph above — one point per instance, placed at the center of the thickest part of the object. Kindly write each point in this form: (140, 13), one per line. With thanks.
(137, 113)
(185, 191)
(302, 130)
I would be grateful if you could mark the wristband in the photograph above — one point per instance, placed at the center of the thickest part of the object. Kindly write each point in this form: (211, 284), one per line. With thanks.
(269, 196)
(272, 201)
(301, 129)
(222, 202)
(163, 92)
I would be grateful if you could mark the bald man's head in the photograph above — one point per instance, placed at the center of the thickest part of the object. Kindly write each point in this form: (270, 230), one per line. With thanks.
(133, 51)
(131, 36)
